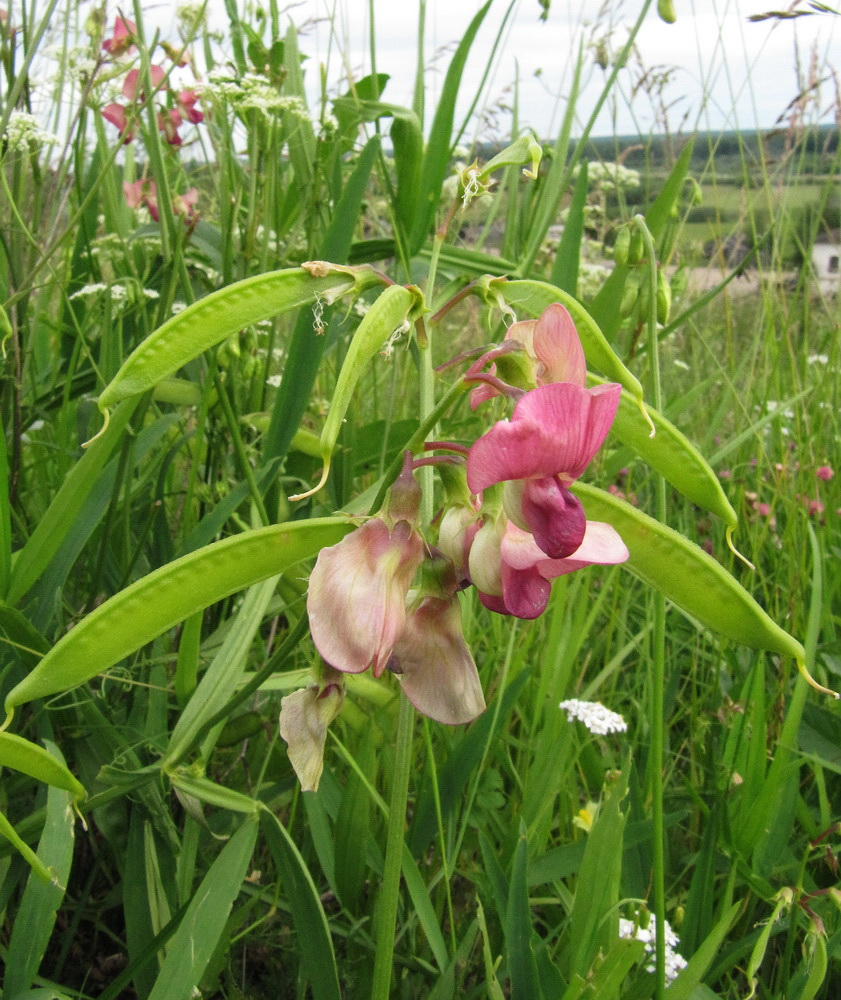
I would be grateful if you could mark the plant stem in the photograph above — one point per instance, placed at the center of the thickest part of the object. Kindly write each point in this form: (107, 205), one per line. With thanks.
(390, 892)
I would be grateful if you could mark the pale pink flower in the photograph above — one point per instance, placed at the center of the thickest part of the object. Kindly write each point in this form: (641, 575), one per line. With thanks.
(116, 115)
(131, 84)
(435, 666)
(824, 472)
(168, 123)
(186, 101)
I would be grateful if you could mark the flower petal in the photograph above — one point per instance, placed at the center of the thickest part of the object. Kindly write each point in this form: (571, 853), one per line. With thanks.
(549, 511)
(437, 671)
(602, 546)
(557, 346)
(357, 594)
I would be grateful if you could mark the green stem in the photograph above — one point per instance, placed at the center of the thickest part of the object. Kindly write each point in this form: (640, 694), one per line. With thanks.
(390, 892)
(658, 664)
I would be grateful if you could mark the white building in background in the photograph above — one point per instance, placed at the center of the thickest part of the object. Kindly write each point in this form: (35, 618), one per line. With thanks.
(826, 262)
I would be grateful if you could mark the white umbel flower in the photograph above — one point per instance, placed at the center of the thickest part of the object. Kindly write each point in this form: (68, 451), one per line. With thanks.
(595, 716)
(675, 962)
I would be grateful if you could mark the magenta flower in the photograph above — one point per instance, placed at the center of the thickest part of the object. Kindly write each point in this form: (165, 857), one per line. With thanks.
(168, 123)
(131, 84)
(435, 666)
(554, 432)
(552, 343)
(525, 572)
(824, 472)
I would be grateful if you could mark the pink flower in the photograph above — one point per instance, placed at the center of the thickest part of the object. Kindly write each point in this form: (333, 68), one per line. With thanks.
(435, 666)
(122, 40)
(552, 343)
(525, 572)
(142, 192)
(824, 472)
(554, 432)
(186, 101)
(116, 115)
(131, 89)
(185, 204)
(168, 122)
(358, 588)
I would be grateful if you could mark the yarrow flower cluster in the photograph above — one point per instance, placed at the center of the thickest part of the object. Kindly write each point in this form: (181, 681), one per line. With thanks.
(386, 597)
(634, 931)
(23, 129)
(598, 719)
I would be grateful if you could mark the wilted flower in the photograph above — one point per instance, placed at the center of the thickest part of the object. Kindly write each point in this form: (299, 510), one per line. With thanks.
(598, 719)
(304, 718)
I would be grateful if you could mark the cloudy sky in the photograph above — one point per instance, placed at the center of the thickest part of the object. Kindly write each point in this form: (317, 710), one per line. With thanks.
(712, 69)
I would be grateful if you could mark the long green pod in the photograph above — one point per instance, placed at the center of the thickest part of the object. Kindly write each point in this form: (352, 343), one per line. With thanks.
(168, 595)
(21, 755)
(391, 311)
(671, 454)
(691, 579)
(535, 296)
(210, 320)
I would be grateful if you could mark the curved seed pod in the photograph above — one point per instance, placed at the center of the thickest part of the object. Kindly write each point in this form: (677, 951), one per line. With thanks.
(392, 311)
(38, 763)
(168, 595)
(691, 579)
(534, 296)
(671, 454)
(666, 10)
(214, 318)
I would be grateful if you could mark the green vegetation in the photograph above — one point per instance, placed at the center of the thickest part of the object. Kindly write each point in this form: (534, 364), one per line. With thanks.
(227, 315)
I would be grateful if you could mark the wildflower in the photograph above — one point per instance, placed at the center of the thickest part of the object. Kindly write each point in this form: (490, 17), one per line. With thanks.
(598, 719)
(513, 574)
(142, 193)
(634, 931)
(23, 128)
(185, 204)
(122, 41)
(304, 718)
(358, 588)
(435, 666)
(552, 344)
(824, 472)
(116, 115)
(131, 84)
(168, 123)
(554, 432)
(186, 102)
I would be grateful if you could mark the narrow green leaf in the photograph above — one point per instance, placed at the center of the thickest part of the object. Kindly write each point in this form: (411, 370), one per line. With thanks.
(36, 916)
(318, 962)
(700, 962)
(436, 159)
(51, 530)
(522, 967)
(38, 763)
(193, 944)
(567, 258)
(5, 509)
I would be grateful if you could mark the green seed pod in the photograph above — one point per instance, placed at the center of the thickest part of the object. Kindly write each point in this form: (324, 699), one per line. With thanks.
(664, 297)
(622, 246)
(636, 247)
(666, 10)
(630, 294)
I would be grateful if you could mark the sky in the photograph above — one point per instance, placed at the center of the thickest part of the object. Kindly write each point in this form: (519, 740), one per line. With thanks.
(712, 69)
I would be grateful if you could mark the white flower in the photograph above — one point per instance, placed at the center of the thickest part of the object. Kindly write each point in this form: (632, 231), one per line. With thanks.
(635, 931)
(23, 128)
(596, 717)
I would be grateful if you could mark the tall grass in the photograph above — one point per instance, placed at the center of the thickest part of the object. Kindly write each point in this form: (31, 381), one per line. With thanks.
(522, 855)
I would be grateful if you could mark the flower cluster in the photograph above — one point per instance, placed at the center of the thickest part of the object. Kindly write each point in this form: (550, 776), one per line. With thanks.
(598, 719)
(385, 597)
(175, 107)
(632, 930)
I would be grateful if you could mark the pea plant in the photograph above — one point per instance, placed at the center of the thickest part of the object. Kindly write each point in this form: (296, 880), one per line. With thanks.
(340, 532)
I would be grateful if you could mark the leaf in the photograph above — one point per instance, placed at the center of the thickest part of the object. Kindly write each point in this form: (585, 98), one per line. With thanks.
(201, 927)
(35, 919)
(318, 962)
